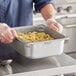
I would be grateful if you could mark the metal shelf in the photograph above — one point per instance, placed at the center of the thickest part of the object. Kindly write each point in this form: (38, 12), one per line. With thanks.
(57, 65)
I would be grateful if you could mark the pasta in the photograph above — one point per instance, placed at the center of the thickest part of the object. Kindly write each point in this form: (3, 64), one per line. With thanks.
(34, 36)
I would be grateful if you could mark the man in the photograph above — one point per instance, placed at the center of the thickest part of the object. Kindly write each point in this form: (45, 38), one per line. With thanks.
(15, 13)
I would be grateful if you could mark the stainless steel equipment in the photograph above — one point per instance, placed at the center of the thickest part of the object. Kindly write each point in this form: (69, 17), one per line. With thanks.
(66, 11)
(66, 15)
(5, 67)
(46, 67)
(35, 50)
(69, 24)
(62, 64)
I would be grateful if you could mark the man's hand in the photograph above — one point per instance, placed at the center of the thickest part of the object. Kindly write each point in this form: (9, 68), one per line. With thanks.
(53, 24)
(48, 12)
(7, 34)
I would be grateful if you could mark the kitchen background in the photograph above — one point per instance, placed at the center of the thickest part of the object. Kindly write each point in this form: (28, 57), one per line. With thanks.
(66, 15)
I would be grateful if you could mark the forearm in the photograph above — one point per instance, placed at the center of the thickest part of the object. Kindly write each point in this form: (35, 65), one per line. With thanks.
(48, 11)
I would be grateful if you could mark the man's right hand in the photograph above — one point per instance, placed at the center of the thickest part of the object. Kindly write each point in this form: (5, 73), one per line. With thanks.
(7, 34)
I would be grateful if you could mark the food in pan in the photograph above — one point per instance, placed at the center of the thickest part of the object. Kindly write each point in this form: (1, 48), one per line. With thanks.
(34, 36)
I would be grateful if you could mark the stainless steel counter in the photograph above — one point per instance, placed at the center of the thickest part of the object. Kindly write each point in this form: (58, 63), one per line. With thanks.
(57, 65)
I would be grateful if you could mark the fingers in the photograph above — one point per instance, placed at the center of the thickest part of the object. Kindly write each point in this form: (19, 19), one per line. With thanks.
(14, 33)
(4, 40)
(8, 35)
(53, 26)
(56, 26)
(60, 28)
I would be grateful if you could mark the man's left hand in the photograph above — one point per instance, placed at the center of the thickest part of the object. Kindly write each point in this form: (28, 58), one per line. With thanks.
(53, 24)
